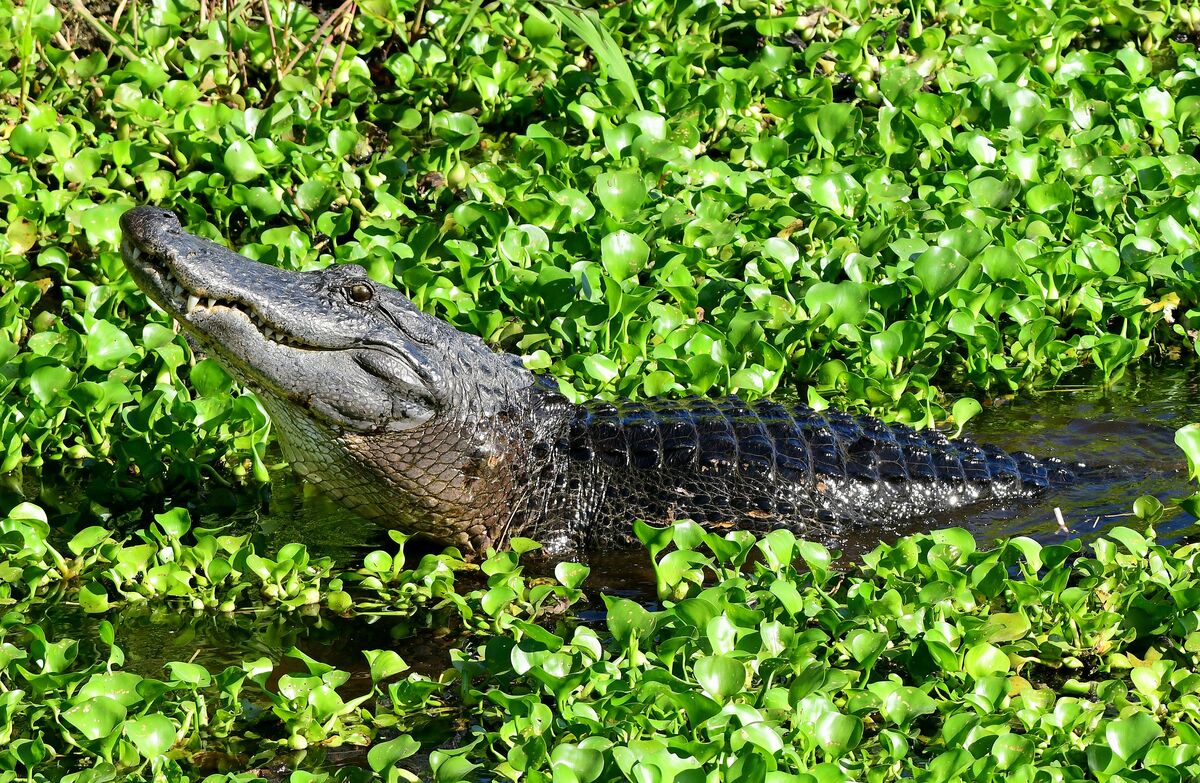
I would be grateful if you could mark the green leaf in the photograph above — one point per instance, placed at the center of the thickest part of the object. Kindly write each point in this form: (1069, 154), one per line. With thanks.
(586, 764)
(87, 539)
(1158, 106)
(837, 734)
(95, 718)
(866, 646)
(384, 756)
(47, 382)
(1052, 200)
(384, 664)
(93, 598)
(1009, 750)
(621, 193)
(497, 599)
(107, 345)
(242, 163)
(175, 522)
(938, 269)
(28, 141)
(905, 704)
(1133, 541)
(571, 575)
(1130, 737)
(627, 620)
(721, 676)
(842, 303)
(983, 660)
(586, 24)
(1148, 508)
(457, 129)
(1006, 626)
(191, 674)
(121, 687)
(623, 254)
(965, 409)
(601, 368)
(1188, 440)
(152, 735)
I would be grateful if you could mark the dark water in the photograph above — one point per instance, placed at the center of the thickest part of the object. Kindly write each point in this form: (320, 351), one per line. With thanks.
(1128, 431)
(1129, 427)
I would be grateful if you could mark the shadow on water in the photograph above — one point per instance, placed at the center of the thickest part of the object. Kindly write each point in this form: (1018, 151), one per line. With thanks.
(1129, 427)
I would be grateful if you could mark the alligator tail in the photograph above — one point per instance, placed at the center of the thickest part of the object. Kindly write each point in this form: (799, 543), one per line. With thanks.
(717, 458)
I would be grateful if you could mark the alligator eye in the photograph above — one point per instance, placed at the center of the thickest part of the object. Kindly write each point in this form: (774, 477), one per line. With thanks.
(361, 292)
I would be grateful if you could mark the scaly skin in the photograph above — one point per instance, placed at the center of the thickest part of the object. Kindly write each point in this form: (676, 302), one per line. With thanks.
(425, 429)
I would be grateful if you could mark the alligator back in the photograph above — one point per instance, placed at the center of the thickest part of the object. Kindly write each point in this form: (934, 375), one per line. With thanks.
(765, 464)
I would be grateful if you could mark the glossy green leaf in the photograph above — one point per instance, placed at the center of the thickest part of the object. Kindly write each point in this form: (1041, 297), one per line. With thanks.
(621, 193)
(95, 718)
(1130, 737)
(152, 735)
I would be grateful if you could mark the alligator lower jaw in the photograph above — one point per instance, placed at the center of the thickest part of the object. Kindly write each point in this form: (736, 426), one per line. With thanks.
(190, 307)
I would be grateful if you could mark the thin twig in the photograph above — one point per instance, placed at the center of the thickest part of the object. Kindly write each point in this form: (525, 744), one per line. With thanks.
(266, 4)
(287, 31)
(1062, 523)
(241, 59)
(116, 22)
(165, 159)
(104, 30)
(230, 62)
(290, 39)
(418, 22)
(324, 45)
(337, 61)
(333, 17)
(65, 45)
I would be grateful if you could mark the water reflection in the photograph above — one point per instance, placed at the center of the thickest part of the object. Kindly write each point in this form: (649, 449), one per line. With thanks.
(1129, 428)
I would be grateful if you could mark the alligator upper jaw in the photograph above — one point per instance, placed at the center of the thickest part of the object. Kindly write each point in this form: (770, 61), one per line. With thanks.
(193, 308)
(196, 281)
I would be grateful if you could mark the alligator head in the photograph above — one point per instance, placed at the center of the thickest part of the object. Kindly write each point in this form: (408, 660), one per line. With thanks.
(375, 401)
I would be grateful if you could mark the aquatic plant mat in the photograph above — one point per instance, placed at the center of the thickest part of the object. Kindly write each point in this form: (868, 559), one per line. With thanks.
(859, 203)
(930, 660)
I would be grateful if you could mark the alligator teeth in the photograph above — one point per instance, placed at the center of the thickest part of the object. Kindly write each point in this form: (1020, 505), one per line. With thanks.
(178, 291)
(210, 303)
(192, 301)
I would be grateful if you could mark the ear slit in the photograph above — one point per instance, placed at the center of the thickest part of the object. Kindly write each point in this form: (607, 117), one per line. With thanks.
(386, 309)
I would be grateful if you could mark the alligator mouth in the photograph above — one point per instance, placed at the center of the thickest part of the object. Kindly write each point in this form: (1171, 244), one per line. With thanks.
(190, 306)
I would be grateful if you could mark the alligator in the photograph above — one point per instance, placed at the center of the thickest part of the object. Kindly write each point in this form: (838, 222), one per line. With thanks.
(428, 430)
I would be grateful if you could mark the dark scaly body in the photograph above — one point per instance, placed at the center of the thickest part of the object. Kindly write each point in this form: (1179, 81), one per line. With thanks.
(761, 465)
(427, 430)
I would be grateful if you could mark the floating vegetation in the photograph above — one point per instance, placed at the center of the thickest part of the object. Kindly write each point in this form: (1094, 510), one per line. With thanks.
(861, 202)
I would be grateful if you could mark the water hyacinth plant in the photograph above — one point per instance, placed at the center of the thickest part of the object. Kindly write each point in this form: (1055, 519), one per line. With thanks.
(861, 202)
(932, 659)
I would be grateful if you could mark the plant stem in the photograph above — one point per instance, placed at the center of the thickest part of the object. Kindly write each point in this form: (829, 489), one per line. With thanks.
(266, 4)
(104, 30)
(337, 61)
